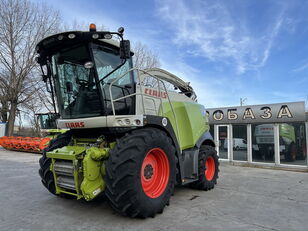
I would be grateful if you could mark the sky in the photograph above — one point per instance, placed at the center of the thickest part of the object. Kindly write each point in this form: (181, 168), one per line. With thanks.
(251, 49)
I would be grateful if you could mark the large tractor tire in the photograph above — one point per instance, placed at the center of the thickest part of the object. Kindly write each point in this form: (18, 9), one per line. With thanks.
(44, 171)
(208, 169)
(140, 173)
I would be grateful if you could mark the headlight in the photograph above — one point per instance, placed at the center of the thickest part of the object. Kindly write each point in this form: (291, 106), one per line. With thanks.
(95, 36)
(71, 36)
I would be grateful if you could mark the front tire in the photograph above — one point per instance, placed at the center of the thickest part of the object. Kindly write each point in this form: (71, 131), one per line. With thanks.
(140, 174)
(208, 168)
(45, 162)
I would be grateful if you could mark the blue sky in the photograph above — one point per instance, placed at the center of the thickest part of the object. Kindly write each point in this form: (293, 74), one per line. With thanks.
(227, 49)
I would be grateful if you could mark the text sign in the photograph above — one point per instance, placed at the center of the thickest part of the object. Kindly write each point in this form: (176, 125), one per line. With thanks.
(267, 113)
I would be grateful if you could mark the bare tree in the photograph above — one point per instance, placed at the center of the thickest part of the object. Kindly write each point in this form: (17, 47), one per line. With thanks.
(81, 26)
(22, 25)
(144, 57)
(33, 107)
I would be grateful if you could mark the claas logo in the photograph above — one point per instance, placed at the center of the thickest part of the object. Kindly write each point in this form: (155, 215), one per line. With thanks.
(75, 125)
(151, 92)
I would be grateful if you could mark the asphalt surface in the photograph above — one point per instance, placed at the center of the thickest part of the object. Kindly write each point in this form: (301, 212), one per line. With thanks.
(244, 199)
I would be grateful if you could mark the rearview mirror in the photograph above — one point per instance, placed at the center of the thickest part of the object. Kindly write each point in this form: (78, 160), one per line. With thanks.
(124, 49)
(41, 60)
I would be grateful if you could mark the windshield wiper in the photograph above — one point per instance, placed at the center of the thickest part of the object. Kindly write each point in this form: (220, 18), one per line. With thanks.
(112, 71)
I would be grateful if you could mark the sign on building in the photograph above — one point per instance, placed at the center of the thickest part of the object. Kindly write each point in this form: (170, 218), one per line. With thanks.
(265, 113)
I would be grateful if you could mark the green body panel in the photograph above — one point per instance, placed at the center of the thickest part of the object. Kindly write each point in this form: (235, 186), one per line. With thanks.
(93, 182)
(67, 153)
(190, 121)
(70, 153)
(89, 169)
(287, 131)
(59, 131)
(53, 133)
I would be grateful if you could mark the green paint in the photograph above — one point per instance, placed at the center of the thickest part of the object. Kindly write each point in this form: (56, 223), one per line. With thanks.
(89, 169)
(67, 153)
(112, 145)
(93, 182)
(98, 153)
(59, 131)
(85, 140)
(192, 121)
(71, 153)
(53, 133)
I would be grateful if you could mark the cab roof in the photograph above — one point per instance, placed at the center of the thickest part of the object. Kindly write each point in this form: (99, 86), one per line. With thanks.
(53, 43)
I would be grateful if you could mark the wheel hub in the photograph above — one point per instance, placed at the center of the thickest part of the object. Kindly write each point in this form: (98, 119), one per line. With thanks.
(209, 168)
(148, 171)
(155, 172)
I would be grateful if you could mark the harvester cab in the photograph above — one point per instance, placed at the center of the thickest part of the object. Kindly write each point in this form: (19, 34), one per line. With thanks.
(47, 120)
(48, 125)
(133, 134)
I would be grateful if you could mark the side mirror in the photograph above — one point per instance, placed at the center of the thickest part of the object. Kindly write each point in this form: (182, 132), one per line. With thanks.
(41, 60)
(124, 49)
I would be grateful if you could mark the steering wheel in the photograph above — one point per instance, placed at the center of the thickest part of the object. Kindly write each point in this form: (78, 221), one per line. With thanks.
(82, 82)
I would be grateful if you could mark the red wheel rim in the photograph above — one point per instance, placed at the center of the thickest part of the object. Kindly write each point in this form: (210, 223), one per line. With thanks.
(209, 168)
(155, 172)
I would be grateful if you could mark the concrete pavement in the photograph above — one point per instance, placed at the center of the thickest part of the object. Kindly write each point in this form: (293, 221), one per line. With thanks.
(244, 199)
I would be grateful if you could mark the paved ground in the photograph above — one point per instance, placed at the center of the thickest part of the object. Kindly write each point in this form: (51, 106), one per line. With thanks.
(244, 199)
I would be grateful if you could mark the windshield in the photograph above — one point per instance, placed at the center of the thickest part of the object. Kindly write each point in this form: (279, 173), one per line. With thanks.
(48, 121)
(75, 85)
(78, 88)
(109, 67)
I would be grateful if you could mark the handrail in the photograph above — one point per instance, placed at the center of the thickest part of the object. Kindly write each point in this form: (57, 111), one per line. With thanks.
(142, 94)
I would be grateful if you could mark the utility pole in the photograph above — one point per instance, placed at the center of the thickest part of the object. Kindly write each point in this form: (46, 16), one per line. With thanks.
(242, 101)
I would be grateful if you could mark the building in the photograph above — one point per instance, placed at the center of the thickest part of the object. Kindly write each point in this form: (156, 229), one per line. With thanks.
(269, 135)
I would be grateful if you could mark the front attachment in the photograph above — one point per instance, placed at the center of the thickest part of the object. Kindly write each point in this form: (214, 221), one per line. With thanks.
(78, 171)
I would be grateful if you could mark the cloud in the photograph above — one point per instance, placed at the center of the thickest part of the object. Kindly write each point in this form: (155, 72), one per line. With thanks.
(212, 91)
(208, 29)
(301, 68)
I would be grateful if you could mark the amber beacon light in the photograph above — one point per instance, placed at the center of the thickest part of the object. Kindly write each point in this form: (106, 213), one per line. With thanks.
(92, 27)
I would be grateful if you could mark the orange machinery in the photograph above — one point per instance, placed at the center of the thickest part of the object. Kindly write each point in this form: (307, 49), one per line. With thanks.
(26, 144)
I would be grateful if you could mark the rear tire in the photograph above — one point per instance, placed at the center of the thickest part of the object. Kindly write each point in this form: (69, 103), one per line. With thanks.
(44, 171)
(208, 168)
(140, 173)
